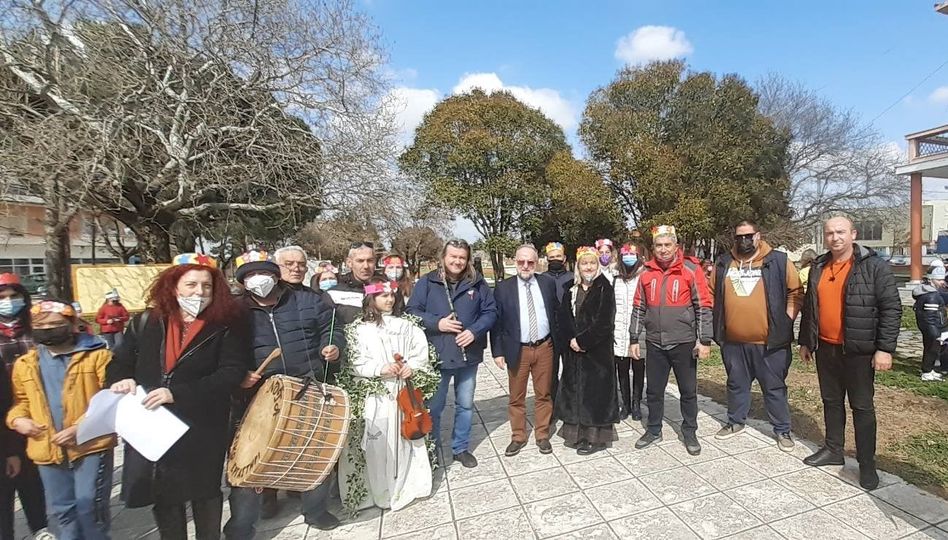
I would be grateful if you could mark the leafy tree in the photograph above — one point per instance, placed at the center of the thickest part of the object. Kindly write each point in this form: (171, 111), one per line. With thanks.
(582, 209)
(330, 237)
(417, 245)
(485, 156)
(688, 149)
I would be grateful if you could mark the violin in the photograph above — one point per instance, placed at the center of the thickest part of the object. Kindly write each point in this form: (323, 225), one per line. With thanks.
(416, 421)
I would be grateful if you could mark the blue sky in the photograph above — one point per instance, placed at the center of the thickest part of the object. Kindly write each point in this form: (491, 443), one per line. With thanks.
(863, 55)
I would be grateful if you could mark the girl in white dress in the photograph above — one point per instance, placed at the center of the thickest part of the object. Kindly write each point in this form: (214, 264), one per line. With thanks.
(396, 470)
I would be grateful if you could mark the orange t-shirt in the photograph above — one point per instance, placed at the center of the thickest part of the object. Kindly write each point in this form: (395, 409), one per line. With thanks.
(830, 291)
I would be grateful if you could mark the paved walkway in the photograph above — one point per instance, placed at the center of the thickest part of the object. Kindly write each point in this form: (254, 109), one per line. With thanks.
(741, 488)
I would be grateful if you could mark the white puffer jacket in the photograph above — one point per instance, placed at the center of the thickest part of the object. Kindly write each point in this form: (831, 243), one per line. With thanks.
(625, 291)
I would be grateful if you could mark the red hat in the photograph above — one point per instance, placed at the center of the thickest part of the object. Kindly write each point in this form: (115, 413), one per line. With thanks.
(8, 279)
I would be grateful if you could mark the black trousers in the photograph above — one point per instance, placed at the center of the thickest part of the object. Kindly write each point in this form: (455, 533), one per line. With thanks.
(29, 487)
(629, 392)
(555, 383)
(172, 519)
(841, 376)
(932, 350)
(658, 364)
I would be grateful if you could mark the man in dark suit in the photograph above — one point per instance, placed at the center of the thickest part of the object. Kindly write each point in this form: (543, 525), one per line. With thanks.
(522, 341)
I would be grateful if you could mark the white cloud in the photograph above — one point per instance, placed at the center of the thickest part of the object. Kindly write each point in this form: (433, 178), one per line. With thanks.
(549, 101)
(409, 106)
(940, 95)
(649, 43)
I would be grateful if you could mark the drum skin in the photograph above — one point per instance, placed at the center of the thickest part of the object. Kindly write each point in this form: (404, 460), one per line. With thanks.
(290, 444)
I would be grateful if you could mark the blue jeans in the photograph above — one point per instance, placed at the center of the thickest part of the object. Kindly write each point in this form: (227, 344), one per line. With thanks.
(745, 362)
(78, 496)
(465, 380)
(245, 508)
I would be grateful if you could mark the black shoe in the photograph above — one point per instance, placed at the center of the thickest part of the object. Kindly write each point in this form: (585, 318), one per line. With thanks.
(269, 507)
(692, 445)
(588, 449)
(623, 413)
(636, 410)
(824, 456)
(868, 477)
(647, 439)
(513, 448)
(467, 459)
(545, 446)
(324, 522)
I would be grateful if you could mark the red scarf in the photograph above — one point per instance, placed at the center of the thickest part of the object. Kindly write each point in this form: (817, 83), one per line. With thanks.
(12, 330)
(177, 339)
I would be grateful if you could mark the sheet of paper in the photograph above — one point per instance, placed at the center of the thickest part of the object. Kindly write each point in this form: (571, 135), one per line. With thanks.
(100, 416)
(944, 337)
(151, 433)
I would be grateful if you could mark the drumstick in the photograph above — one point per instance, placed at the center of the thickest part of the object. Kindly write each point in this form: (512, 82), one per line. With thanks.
(270, 358)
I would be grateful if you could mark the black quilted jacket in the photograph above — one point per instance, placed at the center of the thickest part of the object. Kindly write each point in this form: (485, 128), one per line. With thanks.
(872, 310)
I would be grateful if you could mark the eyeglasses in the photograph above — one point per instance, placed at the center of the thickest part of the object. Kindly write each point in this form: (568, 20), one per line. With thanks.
(528, 264)
(748, 236)
(357, 245)
(292, 265)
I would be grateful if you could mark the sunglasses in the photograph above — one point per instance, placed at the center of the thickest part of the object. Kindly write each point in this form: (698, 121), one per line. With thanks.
(748, 236)
(357, 245)
(458, 243)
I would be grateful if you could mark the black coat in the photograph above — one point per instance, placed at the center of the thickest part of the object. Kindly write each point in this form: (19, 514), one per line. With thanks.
(872, 309)
(208, 372)
(505, 335)
(587, 390)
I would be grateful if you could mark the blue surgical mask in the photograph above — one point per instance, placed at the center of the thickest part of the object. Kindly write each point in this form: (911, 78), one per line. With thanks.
(11, 307)
(629, 260)
(327, 284)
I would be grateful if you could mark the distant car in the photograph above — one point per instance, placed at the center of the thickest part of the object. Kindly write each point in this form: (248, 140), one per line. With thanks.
(899, 260)
(35, 284)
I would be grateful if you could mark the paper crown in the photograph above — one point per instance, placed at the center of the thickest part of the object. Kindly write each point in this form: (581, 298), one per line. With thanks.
(112, 294)
(199, 259)
(586, 250)
(553, 246)
(388, 260)
(380, 288)
(252, 257)
(603, 242)
(628, 249)
(326, 267)
(8, 279)
(663, 230)
(49, 306)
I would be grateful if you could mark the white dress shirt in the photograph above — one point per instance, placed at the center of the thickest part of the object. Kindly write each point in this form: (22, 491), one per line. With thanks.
(543, 323)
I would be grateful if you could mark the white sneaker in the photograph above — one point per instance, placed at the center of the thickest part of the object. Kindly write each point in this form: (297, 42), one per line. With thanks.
(932, 376)
(43, 534)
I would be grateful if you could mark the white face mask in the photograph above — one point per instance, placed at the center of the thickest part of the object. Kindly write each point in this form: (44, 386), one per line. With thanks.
(394, 274)
(193, 305)
(260, 285)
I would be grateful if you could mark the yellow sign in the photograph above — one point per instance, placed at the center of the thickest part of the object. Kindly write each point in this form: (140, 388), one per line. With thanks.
(91, 282)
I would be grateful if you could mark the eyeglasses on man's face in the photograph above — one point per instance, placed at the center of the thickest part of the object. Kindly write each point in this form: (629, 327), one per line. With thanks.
(526, 263)
(290, 265)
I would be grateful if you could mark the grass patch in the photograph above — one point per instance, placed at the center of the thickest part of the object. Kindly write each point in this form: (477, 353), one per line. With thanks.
(906, 374)
(930, 447)
(908, 318)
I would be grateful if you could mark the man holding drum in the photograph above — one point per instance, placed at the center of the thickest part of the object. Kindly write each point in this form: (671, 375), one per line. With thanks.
(298, 323)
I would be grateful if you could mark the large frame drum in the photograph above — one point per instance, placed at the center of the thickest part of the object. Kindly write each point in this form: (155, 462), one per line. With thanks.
(288, 443)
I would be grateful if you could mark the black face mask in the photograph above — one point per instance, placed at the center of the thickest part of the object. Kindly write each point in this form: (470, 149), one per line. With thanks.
(556, 266)
(745, 246)
(53, 336)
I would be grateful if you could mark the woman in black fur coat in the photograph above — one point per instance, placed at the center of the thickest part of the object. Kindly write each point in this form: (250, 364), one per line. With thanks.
(586, 401)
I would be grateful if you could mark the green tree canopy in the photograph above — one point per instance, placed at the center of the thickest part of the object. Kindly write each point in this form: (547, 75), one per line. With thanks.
(687, 149)
(485, 157)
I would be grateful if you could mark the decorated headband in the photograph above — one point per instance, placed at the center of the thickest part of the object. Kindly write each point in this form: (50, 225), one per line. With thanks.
(199, 259)
(553, 246)
(603, 242)
(388, 260)
(253, 256)
(49, 306)
(628, 249)
(381, 288)
(586, 250)
(663, 230)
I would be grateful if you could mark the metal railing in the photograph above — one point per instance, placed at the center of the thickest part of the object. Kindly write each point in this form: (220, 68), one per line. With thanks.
(928, 144)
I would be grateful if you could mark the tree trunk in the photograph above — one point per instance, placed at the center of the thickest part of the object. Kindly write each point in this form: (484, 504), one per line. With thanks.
(497, 263)
(56, 256)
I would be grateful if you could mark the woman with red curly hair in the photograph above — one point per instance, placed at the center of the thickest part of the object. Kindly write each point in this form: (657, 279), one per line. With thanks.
(189, 351)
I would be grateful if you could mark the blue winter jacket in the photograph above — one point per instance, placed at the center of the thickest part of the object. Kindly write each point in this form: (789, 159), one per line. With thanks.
(474, 304)
(299, 324)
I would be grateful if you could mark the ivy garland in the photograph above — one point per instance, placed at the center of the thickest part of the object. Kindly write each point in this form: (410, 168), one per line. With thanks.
(359, 389)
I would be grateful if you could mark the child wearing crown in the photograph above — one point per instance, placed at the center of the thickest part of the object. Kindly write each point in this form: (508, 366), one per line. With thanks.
(380, 467)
